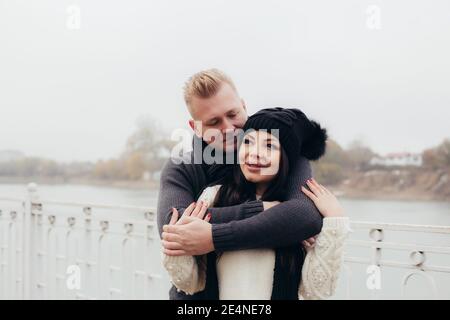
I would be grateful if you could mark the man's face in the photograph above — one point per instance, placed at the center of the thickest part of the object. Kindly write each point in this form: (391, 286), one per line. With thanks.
(222, 113)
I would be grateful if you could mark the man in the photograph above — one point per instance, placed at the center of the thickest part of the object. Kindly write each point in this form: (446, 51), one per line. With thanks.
(214, 103)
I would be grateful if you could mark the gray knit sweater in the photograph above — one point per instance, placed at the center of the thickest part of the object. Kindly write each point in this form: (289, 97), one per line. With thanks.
(241, 226)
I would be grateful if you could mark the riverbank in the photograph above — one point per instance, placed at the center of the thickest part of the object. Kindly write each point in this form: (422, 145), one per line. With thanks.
(406, 185)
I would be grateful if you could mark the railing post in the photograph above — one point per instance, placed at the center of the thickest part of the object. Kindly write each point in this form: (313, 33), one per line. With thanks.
(86, 246)
(27, 237)
(377, 236)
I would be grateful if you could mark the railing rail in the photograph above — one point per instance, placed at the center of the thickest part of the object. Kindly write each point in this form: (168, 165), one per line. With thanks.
(416, 264)
(401, 227)
(72, 250)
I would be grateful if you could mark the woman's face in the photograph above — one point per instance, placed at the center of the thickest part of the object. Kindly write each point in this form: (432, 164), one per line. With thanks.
(259, 156)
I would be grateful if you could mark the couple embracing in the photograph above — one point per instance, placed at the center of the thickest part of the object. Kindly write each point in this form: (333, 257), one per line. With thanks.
(257, 227)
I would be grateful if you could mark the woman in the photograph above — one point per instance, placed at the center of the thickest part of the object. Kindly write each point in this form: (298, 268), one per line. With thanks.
(281, 273)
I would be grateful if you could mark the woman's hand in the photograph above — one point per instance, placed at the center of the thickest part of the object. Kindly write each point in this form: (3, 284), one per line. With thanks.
(325, 201)
(308, 244)
(194, 210)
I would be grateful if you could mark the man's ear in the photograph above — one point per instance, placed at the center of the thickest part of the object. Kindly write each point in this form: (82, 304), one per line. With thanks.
(191, 124)
(243, 105)
(194, 128)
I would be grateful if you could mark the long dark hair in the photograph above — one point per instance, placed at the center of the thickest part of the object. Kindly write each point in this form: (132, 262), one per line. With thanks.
(236, 189)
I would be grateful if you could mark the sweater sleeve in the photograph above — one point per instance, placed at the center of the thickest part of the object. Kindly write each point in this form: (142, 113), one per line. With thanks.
(185, 273)
(323, 261)
(285, 224)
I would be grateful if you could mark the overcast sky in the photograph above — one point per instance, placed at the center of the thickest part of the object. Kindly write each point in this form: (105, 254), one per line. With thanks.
(372, 70)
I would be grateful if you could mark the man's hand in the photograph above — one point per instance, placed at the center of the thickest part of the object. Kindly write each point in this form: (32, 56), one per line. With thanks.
(191, 235)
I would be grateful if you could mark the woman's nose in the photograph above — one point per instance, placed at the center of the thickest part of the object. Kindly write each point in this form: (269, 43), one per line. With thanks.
(253, 152)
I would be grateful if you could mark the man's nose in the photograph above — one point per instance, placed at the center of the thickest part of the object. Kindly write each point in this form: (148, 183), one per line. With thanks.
(227, 126)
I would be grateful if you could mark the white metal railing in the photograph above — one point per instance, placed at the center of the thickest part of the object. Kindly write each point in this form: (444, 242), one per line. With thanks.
(416, 264)
(65, 250)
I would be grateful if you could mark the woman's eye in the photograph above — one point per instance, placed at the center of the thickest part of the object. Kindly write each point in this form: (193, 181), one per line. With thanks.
(246, 141)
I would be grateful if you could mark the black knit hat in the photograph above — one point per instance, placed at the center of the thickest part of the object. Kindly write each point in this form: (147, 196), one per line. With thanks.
(298, 135)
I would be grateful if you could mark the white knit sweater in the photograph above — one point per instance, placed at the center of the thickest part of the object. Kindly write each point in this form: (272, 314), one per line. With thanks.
(248, 274)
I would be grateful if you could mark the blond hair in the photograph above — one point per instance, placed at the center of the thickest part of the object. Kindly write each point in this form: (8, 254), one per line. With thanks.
(205, 84)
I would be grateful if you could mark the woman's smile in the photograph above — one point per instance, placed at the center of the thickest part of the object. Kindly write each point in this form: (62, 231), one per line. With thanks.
(255, 167)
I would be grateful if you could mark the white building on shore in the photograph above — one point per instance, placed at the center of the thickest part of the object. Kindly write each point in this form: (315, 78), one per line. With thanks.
(398, 159)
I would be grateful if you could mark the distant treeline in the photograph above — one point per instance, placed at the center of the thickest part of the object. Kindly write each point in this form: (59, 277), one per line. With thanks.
(144, 154)
(148, 148)
(438, 157)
